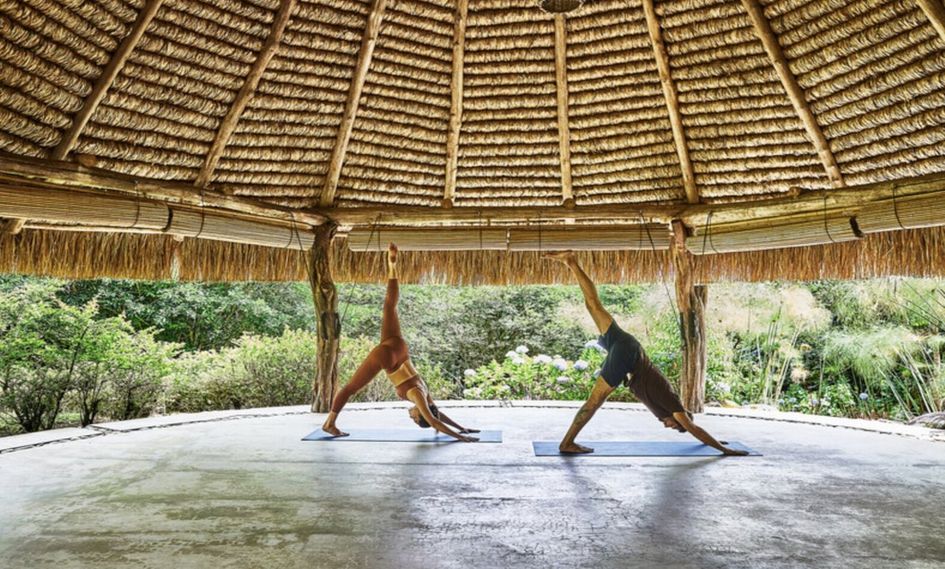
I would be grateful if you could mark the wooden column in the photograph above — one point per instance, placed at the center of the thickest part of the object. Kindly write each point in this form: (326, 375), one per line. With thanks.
(328, 320)
(691, 299)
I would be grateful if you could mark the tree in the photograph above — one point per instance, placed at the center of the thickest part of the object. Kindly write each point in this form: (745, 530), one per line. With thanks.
(41, 341)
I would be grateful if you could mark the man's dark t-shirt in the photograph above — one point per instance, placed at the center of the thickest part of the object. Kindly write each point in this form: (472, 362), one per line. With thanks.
(628, 363)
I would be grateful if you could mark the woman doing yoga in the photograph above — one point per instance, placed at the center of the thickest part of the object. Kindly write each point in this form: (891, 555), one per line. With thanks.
(393, 357)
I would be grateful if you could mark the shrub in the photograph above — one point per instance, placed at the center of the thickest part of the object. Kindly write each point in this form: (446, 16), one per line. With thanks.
(522, 376)
(41, 341)
(140, 364)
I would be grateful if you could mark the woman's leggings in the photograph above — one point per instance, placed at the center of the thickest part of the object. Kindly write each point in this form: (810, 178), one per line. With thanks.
(388, 355)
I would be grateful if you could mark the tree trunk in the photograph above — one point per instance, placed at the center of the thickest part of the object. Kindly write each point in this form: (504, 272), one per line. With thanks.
(328, 323)
(691, 299)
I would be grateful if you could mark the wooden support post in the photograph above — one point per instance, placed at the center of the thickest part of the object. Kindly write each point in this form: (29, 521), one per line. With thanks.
(328, 320)
(691, 299)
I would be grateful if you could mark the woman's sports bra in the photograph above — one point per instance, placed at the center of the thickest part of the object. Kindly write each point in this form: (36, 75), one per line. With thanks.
(405, 372)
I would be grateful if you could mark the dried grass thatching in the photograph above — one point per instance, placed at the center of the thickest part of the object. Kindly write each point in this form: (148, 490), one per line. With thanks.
(475, 103)
(919, 252)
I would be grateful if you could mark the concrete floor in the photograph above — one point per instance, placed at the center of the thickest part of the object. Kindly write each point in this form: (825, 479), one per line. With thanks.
(248, 493)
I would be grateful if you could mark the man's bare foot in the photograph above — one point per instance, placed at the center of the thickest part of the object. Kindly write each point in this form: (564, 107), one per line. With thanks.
(562, 256)
(573, 448)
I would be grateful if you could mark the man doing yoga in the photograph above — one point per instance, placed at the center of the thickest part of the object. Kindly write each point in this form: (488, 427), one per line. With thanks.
(392, 356)
(627, 363)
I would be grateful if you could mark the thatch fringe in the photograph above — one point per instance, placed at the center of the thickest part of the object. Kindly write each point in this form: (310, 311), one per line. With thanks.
(918, 253)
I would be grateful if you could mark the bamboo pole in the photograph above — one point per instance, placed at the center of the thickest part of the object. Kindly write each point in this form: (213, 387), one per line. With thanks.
(228, 125)
(456, 101)
(690, 299)
(935, 12)
(564, 130)
(365, 55)
(672, 101)
(12, 226)
(794, 91)
(845, 200)
(105, 80)
(328, 323)
(19, 171)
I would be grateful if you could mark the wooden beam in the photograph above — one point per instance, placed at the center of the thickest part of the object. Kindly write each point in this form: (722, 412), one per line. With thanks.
(794, 91)
(327, 320)
(368, 41)
(690, 299)
(105, 80)
(564, 129)
(11, 226)
(849, 199)
(228, 125)
(18, 171)
(935, 12)
(456, 101)
(672, 101)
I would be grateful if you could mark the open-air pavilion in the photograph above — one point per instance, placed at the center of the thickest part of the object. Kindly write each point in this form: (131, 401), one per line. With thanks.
(692, 141)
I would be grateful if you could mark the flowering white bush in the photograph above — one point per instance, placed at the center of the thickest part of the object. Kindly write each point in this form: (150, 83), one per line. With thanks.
(472, 393)
(470, 373)
(511, 354)
(563, 380)
(581, 365)
(522, 349)
(560, 364)
(542, 359)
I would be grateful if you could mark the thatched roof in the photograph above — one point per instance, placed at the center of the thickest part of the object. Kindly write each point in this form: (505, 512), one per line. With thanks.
(450, 105)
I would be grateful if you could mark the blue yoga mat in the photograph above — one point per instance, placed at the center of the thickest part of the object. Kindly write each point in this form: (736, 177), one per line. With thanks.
(399, 436)
(638, 448)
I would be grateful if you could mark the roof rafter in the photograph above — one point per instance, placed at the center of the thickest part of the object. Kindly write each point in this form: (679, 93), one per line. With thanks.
(246, 92)
(564, 129)
(456, 102)
(795, 93)
(366, 53)
(105, 80)
(935, 12)
(672, 101)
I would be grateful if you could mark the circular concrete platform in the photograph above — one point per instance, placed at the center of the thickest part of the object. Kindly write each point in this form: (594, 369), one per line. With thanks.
(249, 493)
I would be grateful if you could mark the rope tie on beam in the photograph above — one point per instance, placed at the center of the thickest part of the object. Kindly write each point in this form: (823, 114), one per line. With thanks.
(826, 225)
(896, 207)
(705, 234)
(134, 224)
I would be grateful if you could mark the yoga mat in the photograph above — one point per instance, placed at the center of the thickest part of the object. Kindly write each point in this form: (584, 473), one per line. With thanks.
(399, 436)
(638, 448)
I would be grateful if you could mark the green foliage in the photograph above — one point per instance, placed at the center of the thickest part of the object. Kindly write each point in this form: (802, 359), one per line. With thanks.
(258, 371)
(199, 316)
(522, 376)
(81, 351)
(41, 341)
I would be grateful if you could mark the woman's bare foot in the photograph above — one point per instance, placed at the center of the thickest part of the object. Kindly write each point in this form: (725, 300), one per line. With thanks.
(562, 256)
(573, 448)
(330, 428)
